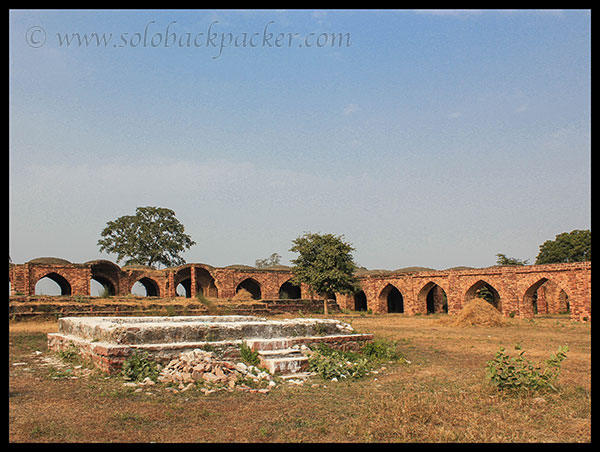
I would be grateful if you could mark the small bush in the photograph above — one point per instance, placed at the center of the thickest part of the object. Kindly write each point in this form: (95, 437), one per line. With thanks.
(105, 292)
(381, 350)
(248, 355)
(520, 374)
(331, 363)
(69, 355)
(137, 367)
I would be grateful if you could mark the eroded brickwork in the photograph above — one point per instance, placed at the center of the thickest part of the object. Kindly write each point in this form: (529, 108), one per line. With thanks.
(517, 290)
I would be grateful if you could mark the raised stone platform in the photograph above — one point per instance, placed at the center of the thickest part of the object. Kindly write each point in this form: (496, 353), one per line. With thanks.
(108, 341)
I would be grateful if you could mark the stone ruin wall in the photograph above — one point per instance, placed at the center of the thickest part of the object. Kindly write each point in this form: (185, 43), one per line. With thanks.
(517, 290)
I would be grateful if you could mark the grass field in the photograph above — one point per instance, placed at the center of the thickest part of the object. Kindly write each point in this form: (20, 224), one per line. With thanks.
(441, 396)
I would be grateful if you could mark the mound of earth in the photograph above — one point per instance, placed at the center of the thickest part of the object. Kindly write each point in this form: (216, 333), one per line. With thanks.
(479, 312)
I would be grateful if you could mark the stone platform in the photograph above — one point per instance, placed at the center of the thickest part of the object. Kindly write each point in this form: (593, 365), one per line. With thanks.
(108, 341)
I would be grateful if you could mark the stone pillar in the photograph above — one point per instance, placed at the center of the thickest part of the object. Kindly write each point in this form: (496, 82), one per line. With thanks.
(193, 283)
(171, 289)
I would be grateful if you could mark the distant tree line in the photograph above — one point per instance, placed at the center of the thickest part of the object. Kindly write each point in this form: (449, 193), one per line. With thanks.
(574, 246)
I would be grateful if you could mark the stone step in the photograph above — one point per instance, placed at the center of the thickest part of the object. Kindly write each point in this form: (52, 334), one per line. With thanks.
(284, 365)
(297, 376)
(159, 330)
(283, 361)
(281, 353)
(289, 342)
(261, 345)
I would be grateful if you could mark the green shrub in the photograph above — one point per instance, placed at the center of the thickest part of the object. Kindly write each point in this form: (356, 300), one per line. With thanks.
(105, 292)
(520, 374)
(70, 355)
(380, 350)
(137, 367)
(330, 363)
(248, 355)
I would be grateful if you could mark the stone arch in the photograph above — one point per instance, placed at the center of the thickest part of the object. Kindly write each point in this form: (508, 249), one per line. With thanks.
(150, 285)
(63, 284)
(105, 273)
(360, 301)
(564, 305)
(252, 286)
(392, 299)
(183, 278)
(546, 296)
(205, 282)
(482, 288)
(433, 297)
(289, 291)
(107, 284)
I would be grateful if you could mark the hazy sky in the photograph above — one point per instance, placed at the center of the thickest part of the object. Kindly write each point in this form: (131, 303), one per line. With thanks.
(427, 138)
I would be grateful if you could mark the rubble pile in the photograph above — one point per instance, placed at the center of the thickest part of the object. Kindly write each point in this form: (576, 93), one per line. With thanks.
(203, 369)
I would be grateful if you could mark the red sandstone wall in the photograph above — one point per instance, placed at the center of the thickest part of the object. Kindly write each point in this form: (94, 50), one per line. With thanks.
(514, 285)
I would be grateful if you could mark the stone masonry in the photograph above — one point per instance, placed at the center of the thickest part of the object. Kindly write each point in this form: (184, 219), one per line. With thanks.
(517, 290)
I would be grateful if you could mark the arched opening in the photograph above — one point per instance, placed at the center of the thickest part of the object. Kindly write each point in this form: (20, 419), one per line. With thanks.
(205, 283)
(482, 289)
(289, 291)
(52, 284)
(546, 297)
(183, 282)
(531, 297)
(563, 303)
(250, 285)
(184, 288)
(101, 287)
(145, 287)
(393, 299)
(104, 279)
(434, 298)
(360, 301)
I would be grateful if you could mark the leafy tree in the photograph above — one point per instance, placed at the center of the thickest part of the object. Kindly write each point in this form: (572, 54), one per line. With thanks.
(152, 236)
(325, 263)
(270, 261)
(485, 293)
(503, 260)
(574, 246)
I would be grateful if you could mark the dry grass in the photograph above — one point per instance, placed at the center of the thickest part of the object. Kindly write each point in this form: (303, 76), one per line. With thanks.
(242, 295)
(442, 396)
(478, 312)
(33, 326)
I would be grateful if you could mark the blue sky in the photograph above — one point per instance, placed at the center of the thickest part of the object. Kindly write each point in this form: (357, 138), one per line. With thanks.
(428, 138)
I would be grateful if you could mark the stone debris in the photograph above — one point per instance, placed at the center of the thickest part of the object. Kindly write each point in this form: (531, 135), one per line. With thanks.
(204, 369)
